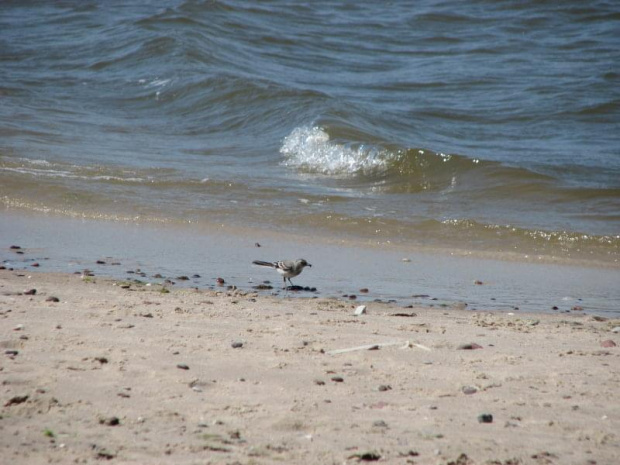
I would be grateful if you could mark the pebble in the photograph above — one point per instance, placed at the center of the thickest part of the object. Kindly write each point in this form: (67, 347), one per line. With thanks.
(485, 418)
(220, 281)
(616, 329)
(183, 366)
(337, 379)
(30, 292)
(18, 327)
(608, 343)
(364, 290)
(471, 346)
(111, 421)
(236, 344)
(379, 424)
(361, 310)
(16, 400)
(11, 352)
(384, 387)
(52, 299)
(469, 390)
(319, 382)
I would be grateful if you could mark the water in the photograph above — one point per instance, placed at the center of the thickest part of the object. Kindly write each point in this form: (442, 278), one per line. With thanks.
(485, 127)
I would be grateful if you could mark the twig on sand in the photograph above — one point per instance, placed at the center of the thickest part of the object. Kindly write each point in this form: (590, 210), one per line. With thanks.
(405, 345)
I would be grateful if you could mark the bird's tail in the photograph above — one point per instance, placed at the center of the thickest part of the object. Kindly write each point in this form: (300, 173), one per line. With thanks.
(261, 263)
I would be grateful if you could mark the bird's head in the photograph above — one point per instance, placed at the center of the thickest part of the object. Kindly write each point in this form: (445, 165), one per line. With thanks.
(303, 262)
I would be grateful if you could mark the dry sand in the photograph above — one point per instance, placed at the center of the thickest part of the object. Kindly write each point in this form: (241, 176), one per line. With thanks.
(117, 375)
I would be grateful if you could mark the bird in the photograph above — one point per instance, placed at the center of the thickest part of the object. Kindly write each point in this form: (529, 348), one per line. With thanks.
(287, 268)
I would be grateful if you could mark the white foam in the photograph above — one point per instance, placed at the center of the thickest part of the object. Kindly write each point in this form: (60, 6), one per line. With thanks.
(310, 149)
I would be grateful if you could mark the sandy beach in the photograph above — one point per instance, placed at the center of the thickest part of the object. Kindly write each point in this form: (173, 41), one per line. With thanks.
(97, 370)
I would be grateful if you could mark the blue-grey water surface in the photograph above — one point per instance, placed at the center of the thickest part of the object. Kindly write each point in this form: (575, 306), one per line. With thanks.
(482, 126)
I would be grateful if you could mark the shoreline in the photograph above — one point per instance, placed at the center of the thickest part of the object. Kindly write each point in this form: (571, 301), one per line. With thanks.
(134, 375)
(341, 269)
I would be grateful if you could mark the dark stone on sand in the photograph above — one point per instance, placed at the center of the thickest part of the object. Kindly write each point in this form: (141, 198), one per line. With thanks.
(608, 343)
(405, 314)
(157, 276)
(236, 344)
(11, 352)
(110, 421)
(16, 400)
(470, 346)
(52, 299)
(337, 379)
(256, 244)
(146, 315)
(366, 457)
(352, 297)
(15, 247)
(555, 307)
(379, 424)
(220, 281)
(30, 292)
(577, 308)
(101, 360)
(36, 265)
(485, 418)
(319, 382)
(182, 366)
(364, 290)
(183, 278)
(478, 282)
(384, 387)
(100, 262)
(196, 276)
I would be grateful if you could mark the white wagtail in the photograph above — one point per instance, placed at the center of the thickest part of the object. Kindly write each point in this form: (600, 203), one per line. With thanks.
(287, 268)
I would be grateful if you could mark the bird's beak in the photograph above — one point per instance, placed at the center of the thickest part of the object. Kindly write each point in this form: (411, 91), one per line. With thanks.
(309, 265)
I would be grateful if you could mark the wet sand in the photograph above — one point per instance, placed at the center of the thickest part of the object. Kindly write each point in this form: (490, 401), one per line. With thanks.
(124, 373)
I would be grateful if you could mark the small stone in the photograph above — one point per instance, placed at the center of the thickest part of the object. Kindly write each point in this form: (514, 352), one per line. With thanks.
(608, 343)
(237, 344)
(16, 400)
(183, 278)
(366, 457)
(102, 360)
(616, 329)
(364, 290)
(555, 307)
(577, 308)
(485, 418)
(100, 262)
(18, 327)
(183, 366)
(470, 346)
(36, 265)
(406, 260)
(361, 310)
(319, 382)
(478, 282)
(469, 390)
(111, 421)
(11, 352)
(220, 281)
(30, 292)
(15, 247)
(52, 299)
(256, 244)
(337, 379)
(384, 387)
(379, 424)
